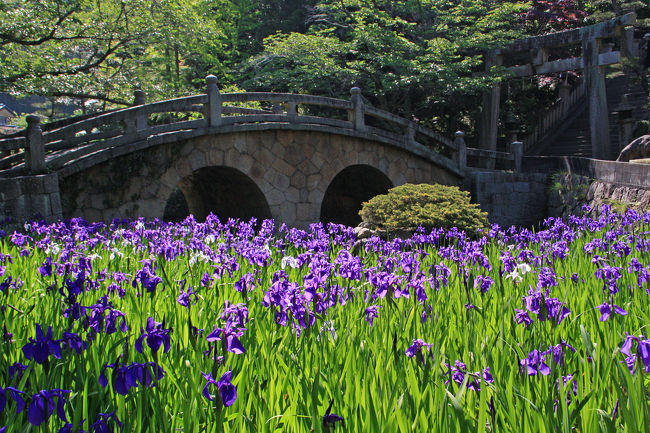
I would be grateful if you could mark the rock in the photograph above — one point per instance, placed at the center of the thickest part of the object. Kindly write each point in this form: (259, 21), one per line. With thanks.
(363, 232)
(637, 149)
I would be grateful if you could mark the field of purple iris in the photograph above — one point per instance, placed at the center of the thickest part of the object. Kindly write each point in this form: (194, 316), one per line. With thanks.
(246, 326)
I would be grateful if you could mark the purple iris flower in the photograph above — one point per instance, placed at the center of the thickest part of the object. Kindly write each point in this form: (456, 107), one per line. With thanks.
(643, 352)
(230, 334)
(535, 364)
(156, 336)
(74, 342)
(147, 277)
(185, 298)
(522, 316)
(484, 283)
(46, 267)
(105, 423)
(42, 406)
(15, 394)
(606, 310)
(458, 371)
(227, 390)
(371, 313)
(130, 376)
(330, 419)
(42, 347)
(416, 347)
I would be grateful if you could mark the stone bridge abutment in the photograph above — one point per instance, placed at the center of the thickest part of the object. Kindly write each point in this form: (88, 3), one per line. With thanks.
(295, 177)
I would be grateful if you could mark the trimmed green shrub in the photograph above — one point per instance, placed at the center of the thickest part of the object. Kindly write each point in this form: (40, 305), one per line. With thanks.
(409, 206)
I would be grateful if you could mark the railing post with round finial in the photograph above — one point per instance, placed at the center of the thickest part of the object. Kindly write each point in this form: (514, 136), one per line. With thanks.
(140, 116)
(461, 150)
(214, 101)
(34, 147)
(357, 116)
(517, 150)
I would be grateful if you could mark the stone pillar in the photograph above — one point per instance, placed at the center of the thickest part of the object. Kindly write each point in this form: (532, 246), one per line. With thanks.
(214, 101)
(597, 97)
(517, 150)
(490, 109)
(141, 117)
(292, 111)
(34, 149)
(461, 150)
(410, 133)
(356, 116)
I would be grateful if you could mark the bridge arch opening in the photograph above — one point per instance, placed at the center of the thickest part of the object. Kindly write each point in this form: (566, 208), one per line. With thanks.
(348, 190)
(223, 191)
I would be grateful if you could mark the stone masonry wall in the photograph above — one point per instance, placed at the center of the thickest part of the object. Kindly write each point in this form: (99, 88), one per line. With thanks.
(293, 170)
(28, 197)
(509, 198)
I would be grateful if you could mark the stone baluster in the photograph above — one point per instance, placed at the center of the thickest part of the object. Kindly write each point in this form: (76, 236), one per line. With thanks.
(140, 117)
(357, 116)
(517, 150)
(292, 111)
(34, 148)
(214, 101)
(410, 132)
(461, 150)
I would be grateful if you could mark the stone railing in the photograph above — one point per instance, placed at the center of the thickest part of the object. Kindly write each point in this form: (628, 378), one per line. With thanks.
(38, 151)
(489, 158)
(556, 114)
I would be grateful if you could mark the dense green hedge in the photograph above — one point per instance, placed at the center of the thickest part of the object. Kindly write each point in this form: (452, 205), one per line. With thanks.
(409, 206)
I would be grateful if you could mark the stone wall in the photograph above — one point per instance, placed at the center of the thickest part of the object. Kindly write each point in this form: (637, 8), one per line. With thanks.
(30, 197)
(509, 198)
(292, 169)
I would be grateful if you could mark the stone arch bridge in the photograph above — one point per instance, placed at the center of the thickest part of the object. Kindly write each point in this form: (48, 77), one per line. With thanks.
(295, 158)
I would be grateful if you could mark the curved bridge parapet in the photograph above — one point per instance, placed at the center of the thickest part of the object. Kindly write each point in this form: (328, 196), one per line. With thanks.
(58, 150)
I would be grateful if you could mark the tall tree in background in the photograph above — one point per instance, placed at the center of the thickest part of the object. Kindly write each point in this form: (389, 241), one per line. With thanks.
(415, 58)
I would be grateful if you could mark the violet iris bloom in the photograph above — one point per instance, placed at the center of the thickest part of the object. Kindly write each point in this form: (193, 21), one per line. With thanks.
(15, 394)
(416, 347)
(46, 267)
(102, 424)
(535, 364)
(643, 352)
(372, 312)
(330, 419)
(230, 334)
(42, 347)
(606, 310)
(156, 336)
(185, 298)
(130, 376)
(42, 406)
(227, 390)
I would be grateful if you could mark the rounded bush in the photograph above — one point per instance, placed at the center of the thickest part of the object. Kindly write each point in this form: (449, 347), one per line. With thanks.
(410, 206)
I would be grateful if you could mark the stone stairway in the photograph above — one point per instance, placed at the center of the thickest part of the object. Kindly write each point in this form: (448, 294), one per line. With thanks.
(573, 137)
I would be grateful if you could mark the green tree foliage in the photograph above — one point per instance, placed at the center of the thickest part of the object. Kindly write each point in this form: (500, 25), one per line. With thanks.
(409, 206)
(103, 49)
(415, 58)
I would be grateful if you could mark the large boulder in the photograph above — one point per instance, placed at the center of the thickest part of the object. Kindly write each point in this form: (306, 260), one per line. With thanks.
(637, 149)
